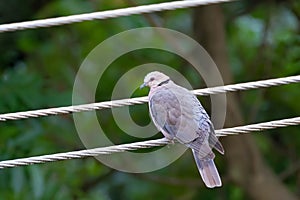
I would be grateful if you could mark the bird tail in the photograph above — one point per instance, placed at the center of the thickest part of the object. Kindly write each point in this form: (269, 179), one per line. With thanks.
(208, 171)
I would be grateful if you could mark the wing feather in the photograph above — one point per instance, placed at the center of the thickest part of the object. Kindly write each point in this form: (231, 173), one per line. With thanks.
(173, 115)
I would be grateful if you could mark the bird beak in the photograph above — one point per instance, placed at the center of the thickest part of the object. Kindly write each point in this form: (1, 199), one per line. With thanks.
(143, 85)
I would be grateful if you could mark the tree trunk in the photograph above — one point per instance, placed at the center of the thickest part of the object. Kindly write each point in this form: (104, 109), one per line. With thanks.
(246, 166)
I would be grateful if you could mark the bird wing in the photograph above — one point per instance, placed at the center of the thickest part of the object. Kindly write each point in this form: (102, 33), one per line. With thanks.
(206, 126)
(214, 142)
(172, 114)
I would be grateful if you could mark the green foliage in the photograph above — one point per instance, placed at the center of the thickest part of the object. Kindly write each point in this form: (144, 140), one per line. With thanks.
(38, 68)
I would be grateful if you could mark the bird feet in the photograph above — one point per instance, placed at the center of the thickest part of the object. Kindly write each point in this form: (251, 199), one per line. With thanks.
(171, 140)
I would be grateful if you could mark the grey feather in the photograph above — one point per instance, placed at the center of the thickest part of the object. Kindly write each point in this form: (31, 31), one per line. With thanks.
(208, 171)
(179, 115)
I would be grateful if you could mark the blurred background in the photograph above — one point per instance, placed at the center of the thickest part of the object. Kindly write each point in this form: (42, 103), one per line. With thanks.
(248, 40)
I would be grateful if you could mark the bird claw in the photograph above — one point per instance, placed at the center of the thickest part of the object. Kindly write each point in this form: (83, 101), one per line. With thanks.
(171, 140)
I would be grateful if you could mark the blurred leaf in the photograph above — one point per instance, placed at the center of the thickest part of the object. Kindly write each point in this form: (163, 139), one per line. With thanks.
(18, 180)
(37, 181)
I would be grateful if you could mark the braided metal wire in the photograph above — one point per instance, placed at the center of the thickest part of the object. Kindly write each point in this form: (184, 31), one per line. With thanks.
(141, 100)
(141, 145)
(106, 14)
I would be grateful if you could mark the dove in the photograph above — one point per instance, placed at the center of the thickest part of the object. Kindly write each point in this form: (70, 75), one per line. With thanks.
(178, 115)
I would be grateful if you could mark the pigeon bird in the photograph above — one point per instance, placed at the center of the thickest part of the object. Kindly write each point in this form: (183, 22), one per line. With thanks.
(179, 115)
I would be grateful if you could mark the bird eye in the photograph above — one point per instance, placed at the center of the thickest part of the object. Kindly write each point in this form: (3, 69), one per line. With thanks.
(152, 79)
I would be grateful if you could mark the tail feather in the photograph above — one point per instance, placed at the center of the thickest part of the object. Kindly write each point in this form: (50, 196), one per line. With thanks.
(208, 171)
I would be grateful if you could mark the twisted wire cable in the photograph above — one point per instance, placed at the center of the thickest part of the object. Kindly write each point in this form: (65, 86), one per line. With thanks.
(106, 14)
(141, 100)
(141, 145)
(248, 85)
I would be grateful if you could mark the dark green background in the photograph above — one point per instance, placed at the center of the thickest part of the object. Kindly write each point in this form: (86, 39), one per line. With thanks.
(38, 67)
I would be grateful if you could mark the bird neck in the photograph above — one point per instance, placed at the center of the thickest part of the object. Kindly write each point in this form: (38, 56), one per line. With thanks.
(163, 82)
(154, 88)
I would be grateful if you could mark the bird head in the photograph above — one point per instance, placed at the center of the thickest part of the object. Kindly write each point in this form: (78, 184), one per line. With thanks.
(155, 79)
